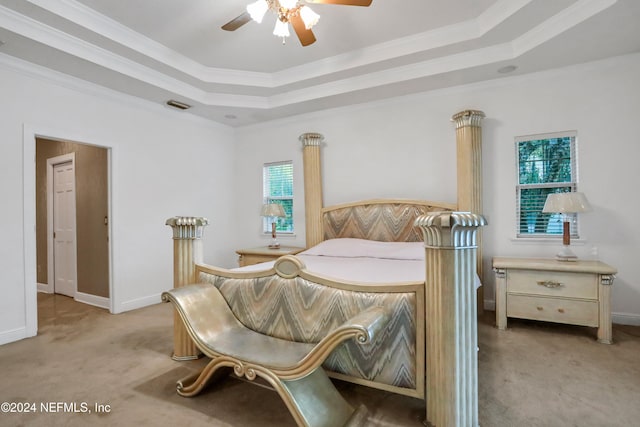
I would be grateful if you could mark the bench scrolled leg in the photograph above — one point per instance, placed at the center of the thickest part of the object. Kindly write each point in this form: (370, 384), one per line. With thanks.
(193, 384)
(315, 402)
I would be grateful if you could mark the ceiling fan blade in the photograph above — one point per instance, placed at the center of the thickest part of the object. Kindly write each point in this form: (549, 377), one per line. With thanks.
(343, 2)
(305, 36)
(237, 22)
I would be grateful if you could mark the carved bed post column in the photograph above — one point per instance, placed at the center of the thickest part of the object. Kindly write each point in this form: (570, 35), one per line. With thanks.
(469, 153)
(450, 239)
(187, 251)
(312, 187)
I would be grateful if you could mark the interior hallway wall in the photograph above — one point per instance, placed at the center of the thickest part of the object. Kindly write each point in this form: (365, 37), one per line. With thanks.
(163, 163)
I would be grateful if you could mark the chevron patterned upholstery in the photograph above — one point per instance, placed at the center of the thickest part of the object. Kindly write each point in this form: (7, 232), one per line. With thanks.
(385, 222)
(301, 310)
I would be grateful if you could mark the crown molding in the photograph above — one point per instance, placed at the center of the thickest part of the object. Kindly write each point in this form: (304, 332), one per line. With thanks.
(106, 27)
(559, 23)
(619, 62)
(445, 36)
(47, 75)
(70, 9)
(429, 40)
(74, 46)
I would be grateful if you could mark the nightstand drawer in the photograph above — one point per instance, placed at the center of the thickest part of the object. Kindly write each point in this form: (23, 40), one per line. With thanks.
(553, 283)
(264, 254)
(553, 310)
(244, 260)
(577, 292)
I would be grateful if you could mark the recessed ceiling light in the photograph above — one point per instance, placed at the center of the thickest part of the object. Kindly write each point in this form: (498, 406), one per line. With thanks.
(507, 69)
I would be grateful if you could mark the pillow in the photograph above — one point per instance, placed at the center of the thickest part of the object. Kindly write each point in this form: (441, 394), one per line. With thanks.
(359, 248)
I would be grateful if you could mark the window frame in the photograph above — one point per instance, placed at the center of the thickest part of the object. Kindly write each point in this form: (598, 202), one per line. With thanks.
(572, 186)
(266, 198)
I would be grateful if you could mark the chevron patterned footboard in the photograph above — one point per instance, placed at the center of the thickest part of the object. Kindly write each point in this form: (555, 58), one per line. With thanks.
(304, 308)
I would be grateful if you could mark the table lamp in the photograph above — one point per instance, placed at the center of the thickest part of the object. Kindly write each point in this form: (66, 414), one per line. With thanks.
(566, 204)
(273, 211)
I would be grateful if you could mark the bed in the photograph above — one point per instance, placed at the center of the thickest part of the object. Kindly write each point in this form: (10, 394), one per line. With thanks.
(423, 263)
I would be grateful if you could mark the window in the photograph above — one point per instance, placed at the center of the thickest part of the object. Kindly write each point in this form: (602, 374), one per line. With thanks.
(277, 185)
(546, 164)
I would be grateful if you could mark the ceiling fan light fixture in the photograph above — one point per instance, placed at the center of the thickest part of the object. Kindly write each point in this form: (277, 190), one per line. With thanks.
(309, 17)
(295, 12)
(288, 4)
(257, 10)
(281, 29)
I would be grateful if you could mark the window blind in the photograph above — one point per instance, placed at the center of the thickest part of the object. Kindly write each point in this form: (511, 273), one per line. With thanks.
(277, 187)
(546, 164)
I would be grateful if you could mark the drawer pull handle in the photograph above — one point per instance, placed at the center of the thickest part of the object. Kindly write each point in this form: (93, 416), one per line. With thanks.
(561, 310)
(549, 283)
(540, 308)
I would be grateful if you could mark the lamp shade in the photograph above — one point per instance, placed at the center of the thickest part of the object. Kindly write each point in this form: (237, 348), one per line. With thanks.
(572, 202)
(272, 209)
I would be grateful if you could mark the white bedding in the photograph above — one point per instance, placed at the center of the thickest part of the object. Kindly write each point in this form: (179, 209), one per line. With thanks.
(361, 270)
(363, 261)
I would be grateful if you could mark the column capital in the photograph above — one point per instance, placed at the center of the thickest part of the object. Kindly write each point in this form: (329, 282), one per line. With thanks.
(187, 227)
(468, 118)
(311, 138)
(450, 230)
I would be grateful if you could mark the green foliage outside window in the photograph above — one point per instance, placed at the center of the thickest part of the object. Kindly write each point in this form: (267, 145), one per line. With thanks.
(278, 188)
(545, 166)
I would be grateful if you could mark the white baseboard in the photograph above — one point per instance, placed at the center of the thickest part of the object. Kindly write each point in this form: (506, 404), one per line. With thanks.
(626, 319)
(139, 303)
(82, 297)
(94, 300)
(619, 318)
(13, 335)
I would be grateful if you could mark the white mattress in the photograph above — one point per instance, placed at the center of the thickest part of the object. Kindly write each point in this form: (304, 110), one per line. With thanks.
(363, 261)
(363, 270)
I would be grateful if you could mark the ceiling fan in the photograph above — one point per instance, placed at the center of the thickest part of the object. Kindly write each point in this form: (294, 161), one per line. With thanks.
(296, 12)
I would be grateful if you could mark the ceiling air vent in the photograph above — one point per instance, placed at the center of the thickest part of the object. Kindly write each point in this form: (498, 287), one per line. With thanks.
(179, 105)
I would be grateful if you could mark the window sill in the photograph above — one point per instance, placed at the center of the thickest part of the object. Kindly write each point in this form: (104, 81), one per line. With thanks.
(551, 241)
(280, 235)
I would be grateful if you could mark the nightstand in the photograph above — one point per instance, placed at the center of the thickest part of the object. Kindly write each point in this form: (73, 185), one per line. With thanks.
(263, 254)
(577, 293)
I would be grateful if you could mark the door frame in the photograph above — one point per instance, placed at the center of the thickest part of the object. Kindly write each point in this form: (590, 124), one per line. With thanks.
(29, 134)
(51, 162)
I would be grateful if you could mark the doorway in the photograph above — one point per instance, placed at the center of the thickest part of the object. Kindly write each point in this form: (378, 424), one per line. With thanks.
(72, 220)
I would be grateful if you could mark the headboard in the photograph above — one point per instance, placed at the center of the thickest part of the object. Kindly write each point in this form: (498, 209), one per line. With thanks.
(386, 220)
(468, 174)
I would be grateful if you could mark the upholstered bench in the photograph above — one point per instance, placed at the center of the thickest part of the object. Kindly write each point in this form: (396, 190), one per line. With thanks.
(293, 369)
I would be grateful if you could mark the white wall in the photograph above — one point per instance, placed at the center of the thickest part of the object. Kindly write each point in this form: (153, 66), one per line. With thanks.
(406, 148)
(373, 151)
(163, 163)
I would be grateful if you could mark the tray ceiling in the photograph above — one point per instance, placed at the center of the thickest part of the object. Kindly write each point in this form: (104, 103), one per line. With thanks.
(163, 49)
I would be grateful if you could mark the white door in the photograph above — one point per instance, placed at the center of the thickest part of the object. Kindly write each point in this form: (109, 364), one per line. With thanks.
(64, 229)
